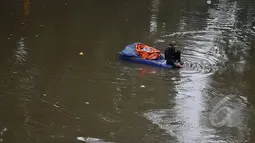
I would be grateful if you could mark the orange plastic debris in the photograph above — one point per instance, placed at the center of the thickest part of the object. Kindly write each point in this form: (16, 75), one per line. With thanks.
(147, 52)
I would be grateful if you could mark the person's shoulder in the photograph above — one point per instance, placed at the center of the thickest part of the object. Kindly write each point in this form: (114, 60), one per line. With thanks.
(171, 47)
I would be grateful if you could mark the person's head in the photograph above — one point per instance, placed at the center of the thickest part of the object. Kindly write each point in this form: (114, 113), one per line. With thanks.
(173, 43)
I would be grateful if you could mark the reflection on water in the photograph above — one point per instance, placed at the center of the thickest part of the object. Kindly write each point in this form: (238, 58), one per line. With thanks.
(154, 11)
(188, 120)
(26, 7)
(21, 52)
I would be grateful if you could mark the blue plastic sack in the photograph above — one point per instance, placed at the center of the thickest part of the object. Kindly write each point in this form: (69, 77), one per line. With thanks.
(130, 50)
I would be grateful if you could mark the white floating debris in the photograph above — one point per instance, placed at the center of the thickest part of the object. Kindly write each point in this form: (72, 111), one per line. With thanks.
(142, 86)
(81, 139)
(44, 94)
(36, 35)
(87, 103)
(81, 54)
(91, 140)
(88, 139)
(4, 130)
(118, 89)
(208, 1)
(121, 79)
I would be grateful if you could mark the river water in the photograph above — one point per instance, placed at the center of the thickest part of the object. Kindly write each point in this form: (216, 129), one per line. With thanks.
(50, 93)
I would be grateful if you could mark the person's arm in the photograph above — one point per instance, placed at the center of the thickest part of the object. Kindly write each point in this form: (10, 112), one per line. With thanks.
(166, 53)
(170, 61)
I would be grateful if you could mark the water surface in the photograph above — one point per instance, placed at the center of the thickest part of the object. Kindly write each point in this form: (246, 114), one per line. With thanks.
(50, 93)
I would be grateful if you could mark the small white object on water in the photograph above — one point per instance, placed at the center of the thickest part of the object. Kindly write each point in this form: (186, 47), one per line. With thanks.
(173, 78)
(216, 48)
(142, 86)
(81, 139)
(88, 139)
(87, 103)
(36, 35)
(81, 54)
(4, 130)
(92, 140)
(208, 1)
(44, 94)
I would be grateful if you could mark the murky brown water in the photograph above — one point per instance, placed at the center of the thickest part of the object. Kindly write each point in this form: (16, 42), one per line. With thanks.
(49, 93)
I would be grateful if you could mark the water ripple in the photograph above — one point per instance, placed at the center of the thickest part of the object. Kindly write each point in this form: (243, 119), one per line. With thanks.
(208, 40)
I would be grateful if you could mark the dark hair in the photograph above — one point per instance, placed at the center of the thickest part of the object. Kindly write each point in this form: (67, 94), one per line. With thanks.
(173, 43)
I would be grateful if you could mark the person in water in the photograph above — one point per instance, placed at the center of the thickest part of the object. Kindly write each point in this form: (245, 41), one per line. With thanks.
(172, 55)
